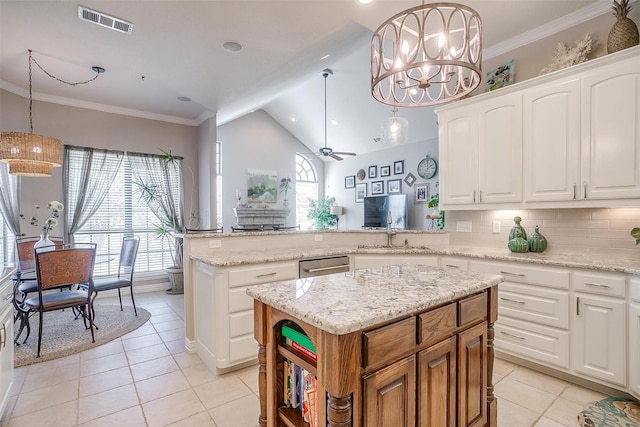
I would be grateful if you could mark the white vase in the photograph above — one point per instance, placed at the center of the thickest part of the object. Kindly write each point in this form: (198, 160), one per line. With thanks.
(44, 243)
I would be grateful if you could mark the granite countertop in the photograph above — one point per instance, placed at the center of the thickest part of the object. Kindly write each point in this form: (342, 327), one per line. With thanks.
(347, 302)
(589, 261)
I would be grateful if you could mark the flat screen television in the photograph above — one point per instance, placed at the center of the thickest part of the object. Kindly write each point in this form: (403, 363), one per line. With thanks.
(377, 207)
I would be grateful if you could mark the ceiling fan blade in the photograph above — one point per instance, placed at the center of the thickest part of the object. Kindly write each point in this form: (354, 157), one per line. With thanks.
(343, 153)
(333, 156)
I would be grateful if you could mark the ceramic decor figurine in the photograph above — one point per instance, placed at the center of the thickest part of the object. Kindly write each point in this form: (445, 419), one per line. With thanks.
(537, 242)
(518, 237)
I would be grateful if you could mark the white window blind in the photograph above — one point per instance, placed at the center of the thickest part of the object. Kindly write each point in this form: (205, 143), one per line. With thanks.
(123, 213)
(219, 183)
(6, 242)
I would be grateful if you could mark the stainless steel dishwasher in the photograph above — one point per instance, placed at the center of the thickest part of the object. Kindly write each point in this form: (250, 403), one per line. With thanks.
(321, 266)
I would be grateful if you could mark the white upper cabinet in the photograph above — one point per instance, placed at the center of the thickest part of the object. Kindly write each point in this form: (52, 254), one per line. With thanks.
(567, 139)
(611, 131)
(552, 141)
(481, 152)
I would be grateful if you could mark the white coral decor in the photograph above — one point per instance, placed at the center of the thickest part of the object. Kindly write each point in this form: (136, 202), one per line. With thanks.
(567, 56)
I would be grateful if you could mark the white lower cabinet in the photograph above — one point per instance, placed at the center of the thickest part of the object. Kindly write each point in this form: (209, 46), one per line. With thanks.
(224, 312)
(570, 319)
(600, 338)
(6, 343)
(634, 337)
(533, 311)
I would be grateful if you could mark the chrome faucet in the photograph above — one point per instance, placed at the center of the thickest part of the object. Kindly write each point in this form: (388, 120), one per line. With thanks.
(390, 231)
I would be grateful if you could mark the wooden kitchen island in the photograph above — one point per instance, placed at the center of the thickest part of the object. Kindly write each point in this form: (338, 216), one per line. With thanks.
(395, 346)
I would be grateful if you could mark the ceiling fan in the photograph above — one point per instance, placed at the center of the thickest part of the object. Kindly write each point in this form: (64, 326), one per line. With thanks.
(327, 151)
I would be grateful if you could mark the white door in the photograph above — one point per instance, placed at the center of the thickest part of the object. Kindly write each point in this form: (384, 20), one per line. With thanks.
(500, 150)
(552, 142)
(611, 132)
(600, 338)
(458, 156)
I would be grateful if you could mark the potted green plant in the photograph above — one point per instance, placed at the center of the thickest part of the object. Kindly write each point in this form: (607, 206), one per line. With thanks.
(168, 211)
(320, 213)
(635, 233)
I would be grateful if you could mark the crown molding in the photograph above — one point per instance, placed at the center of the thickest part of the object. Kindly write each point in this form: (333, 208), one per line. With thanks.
(70, 102)
(552, 27)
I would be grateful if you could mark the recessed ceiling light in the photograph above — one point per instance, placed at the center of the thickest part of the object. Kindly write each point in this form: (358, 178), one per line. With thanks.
(184, 98)
(364, 1)
(325, 57)
(334, 122)
(293, 119)
(232, 46)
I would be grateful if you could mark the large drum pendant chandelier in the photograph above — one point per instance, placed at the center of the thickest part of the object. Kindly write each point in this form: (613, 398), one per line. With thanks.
(427, 55)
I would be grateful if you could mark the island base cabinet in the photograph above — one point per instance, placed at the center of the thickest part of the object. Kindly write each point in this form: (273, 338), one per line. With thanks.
(472, 376)
(390, 395)
(437, 367)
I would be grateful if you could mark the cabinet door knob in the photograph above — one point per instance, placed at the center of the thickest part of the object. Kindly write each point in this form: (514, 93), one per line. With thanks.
(585, 189)
(574, 191)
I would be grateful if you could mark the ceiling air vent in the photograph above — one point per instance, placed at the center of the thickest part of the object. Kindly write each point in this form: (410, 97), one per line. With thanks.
(105, 20)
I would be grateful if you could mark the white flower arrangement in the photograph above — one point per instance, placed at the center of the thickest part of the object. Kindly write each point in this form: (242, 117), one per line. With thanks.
(51, 221)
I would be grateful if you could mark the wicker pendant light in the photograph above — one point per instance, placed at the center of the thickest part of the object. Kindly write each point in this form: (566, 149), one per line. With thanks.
(29, 154)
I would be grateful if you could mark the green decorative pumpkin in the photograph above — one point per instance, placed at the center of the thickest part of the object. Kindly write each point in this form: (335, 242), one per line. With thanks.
(537, 242)
(517, 230)
(518, 245)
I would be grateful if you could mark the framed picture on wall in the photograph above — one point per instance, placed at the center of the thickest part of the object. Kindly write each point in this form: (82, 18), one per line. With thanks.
(385, 171)
(410, 179)
(361, 192)
(349, 181)
(422, 193)
(377, 187)
(394, 186)
(373, 171)
(398, 167)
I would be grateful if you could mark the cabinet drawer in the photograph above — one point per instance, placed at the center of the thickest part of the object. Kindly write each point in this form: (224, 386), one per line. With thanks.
(262, 274)
(533, 342)
(241, 324)
(454, 262)
(516, 272)
(609, 284)
(242, 348)
(634, 291)
(545, 306)
(437, 324)
(239, 300)
(387, 343)
(472, 309)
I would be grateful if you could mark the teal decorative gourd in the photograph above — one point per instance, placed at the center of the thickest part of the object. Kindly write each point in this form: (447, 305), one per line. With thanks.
(517, 230)
(518, 244)
(537, 242)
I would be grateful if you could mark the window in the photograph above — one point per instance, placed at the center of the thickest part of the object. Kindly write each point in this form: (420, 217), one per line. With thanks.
(122, 213)
(306, 188)
(6, 242)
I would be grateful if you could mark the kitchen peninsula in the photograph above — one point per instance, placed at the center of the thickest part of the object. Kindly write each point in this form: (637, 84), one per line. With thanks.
(395, 345)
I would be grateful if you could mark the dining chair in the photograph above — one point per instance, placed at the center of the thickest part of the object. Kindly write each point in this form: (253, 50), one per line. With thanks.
(124, 279)
(24, 280)
(68, 265)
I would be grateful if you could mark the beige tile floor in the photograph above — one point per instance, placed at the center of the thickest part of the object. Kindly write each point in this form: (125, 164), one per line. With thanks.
(146, 378)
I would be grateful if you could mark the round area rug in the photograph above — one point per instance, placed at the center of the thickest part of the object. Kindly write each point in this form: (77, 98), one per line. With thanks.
(610, 412)
(65, 335)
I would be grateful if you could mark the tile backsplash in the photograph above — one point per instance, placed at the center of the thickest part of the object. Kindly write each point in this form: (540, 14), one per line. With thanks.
(602, 231)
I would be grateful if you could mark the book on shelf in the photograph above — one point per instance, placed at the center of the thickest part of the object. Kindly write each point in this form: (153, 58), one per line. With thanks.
(310, 354)
(294, 333)
(300, 391)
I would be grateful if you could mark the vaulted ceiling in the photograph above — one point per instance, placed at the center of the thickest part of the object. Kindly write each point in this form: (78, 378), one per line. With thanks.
(176, 50)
